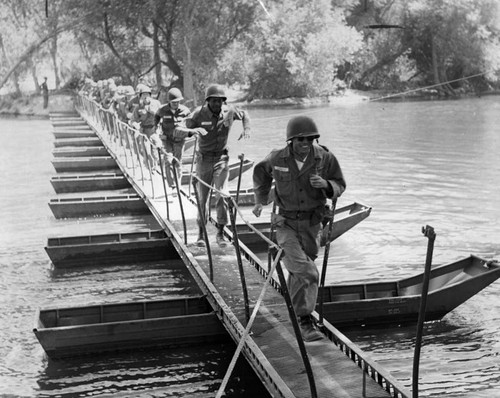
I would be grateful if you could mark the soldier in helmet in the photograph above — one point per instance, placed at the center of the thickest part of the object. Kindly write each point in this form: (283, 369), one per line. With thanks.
(143, 118)
(170, 115)
(305, 175)
(212, 122)
(145, 112)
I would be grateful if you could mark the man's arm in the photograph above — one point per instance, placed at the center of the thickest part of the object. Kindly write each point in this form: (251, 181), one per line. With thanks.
(158, 116)
(241, 114)
(262, 183)
(336, 181)
(188, 127)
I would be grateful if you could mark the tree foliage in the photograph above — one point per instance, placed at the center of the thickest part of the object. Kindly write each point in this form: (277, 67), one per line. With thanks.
(295, 50)
(289, 48)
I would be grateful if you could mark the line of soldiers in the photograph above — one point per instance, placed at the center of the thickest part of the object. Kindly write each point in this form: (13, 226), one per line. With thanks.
(168, 126)
(302, 175)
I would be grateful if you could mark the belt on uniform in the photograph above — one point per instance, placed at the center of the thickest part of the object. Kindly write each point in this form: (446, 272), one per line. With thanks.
(214, 154)
(296, 215)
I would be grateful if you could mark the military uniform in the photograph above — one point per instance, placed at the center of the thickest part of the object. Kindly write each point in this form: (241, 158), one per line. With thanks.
(212, 163)
(301, 210)
(170, 119)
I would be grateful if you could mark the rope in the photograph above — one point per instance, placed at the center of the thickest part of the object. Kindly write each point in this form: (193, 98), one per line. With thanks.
(247, 329)
(376, 99)
(265, 10)
(255, 230)
(229, 197)
(426, 87)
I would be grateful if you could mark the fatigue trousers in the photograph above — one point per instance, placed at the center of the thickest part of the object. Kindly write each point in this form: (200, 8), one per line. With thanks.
(146, 150)
(213, 171)
(298, 238)
(176, 149)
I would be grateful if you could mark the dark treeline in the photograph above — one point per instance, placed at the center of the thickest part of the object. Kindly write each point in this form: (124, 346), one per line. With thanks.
(270, 48)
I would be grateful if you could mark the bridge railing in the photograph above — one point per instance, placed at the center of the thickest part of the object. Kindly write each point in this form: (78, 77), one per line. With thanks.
(142, 158)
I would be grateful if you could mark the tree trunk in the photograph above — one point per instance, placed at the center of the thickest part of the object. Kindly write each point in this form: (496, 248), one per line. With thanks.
(32, 49)
(188, 77)
(36, 83)
(381, 63)
(15, 81)
(53, 55)
(435, 69)
(156, 55)
(439, 72)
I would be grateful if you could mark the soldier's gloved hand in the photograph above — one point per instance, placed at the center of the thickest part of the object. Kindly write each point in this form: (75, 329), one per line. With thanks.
(257, 209)
(169, 157)
(200, 131)
(245, 134)
(318, 182)
(156, 140)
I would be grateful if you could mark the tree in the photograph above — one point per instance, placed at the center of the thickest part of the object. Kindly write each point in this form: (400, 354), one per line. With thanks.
(428, 42)
(297, 55)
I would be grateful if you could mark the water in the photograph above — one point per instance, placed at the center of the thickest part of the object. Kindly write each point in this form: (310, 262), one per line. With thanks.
(28, 282)
(415, 163)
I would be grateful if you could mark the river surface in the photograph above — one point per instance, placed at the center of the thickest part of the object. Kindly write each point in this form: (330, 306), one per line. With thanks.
(431, 163)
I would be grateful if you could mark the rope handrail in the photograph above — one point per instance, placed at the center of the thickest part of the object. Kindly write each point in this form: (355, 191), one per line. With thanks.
(229, 197)
(89, 107)
(312, 111)
(225, 195)
(427, 87)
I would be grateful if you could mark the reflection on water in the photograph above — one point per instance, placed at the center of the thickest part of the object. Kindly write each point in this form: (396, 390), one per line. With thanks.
(193, 372)
(415, 163)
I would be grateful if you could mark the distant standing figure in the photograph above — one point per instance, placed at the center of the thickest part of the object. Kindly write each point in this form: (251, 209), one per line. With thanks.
(170, 115)
(45, 93)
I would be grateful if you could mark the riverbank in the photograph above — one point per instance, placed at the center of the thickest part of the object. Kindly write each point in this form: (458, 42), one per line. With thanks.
(33, 105)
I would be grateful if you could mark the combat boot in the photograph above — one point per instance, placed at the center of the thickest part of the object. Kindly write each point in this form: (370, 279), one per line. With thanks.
(220, 239)
(308, 330)
(200, 242)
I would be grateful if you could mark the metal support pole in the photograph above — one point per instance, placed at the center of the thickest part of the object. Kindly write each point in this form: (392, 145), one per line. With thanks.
(242, 159)
(139, 156)
(203, 220)
(428, 232)
(296, 328)
(149, 160)
(128, 132)
(232, 215)
(177, 187)
(325, 264)
(192, 165)
(163, 181)
(271, 238)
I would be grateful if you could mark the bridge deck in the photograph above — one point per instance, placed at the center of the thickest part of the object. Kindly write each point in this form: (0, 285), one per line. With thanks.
(271, 349)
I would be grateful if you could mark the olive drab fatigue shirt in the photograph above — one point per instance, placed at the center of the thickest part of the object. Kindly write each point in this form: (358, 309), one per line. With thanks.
(293, 191)
(145, 113)
(170, 119)
(217, 126)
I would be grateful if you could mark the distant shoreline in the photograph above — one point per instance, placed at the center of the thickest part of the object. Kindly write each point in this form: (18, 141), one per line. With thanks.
(32, 106)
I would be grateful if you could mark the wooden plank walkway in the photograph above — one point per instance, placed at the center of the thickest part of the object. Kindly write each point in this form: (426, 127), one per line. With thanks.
(271, 349)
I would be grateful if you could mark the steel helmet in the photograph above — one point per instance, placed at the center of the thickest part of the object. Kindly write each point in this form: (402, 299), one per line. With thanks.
(215, 91)
(174, 94)
(142, 88)
(129, 90)
(301, 126)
